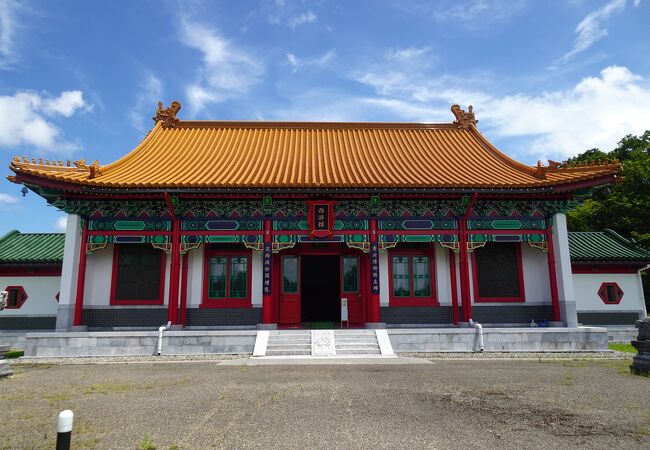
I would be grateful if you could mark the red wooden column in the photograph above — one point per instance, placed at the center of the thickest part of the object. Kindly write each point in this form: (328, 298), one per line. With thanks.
(267, 273)
(552, 274)
(463, 265)
(174, 272)
(81, 275)
(183, 309)
(465, 287)
(374, 310)
(454, 288)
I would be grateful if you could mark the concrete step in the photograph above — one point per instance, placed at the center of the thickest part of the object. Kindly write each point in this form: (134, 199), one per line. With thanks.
(290, 341)
(287, 352)
(357, 352)
(347, 340)
(357, 345)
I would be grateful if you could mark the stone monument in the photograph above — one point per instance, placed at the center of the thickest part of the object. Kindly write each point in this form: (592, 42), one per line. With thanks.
(4, 365)
(641, 362)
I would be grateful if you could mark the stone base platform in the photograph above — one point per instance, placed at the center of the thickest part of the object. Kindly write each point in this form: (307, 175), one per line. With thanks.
(138, 343)
(403, 340)
(581, 339)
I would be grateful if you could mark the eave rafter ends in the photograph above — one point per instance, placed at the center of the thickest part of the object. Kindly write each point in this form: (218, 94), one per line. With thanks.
(310, 158)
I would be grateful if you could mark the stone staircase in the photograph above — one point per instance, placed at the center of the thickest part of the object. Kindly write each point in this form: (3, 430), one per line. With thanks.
(356, 342)
(329, 343)
(289, 343)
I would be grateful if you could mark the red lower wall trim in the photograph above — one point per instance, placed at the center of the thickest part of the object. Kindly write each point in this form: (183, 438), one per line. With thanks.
(604, 268)
(29, 272)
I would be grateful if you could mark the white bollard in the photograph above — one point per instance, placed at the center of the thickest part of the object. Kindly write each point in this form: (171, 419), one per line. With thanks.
(64, 430)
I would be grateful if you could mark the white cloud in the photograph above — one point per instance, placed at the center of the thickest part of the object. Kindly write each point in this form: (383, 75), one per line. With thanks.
(596, 112)
(470, 15)
(60, 224)
(8, 25)
(591, 29)
(26, 118)
(149, 93)
(301, 19)
(6, 199)
(408, 54)
(320, 61)
(226, 70)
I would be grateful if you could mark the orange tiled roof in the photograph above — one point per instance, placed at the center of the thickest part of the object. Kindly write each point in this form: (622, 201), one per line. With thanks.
(271, 155)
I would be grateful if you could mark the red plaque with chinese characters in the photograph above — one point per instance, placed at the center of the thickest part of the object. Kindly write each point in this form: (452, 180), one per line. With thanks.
(321, 218)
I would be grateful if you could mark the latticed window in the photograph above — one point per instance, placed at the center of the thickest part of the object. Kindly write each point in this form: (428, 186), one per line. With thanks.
(139, 271)
(290, 274)
(217, 283)
(228, 279)
(16, 296)
(350, 274)
(411, 279)
(497, 273)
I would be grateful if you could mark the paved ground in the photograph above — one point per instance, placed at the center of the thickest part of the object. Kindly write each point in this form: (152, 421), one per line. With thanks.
(444, 404)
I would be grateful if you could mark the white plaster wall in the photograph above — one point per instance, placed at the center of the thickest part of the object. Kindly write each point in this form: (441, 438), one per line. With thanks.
(384, 296)
(99, 273)
(256, 281)
(41, 293)
(537, 285)
(195, 277)
(70, 266)
(443, 277)
(586, 292)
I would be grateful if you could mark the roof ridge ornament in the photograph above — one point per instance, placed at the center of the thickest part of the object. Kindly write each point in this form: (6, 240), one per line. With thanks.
(464, 119)
(167, 116)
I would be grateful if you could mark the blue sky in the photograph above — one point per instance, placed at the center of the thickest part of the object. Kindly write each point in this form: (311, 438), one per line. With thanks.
(548, 79)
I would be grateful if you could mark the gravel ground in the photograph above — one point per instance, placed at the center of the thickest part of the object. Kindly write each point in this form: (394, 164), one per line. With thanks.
(449, 403)
(520, 355)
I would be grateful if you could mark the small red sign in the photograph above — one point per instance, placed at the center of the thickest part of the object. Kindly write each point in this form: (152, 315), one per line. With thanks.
(321, 218)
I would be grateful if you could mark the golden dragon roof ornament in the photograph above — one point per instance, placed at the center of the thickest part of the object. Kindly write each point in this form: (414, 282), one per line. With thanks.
(464, 120)
(167, 116)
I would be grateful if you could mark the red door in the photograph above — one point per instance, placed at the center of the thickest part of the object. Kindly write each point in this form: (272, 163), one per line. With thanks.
(290, 291)
(350, 288)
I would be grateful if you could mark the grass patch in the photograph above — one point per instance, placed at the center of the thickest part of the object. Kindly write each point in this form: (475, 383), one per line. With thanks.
(57, 398)
(146, 443)
(14, 353)
(110, 388)
(627, 348)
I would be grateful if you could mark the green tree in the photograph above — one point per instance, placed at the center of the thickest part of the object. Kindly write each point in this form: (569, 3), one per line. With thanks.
(626, 209)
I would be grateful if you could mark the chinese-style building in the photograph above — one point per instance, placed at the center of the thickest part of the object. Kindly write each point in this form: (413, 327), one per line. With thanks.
(241, 224)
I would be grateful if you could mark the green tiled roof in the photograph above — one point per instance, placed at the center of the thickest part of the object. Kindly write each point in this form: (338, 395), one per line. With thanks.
(19, 248)
(605, 246)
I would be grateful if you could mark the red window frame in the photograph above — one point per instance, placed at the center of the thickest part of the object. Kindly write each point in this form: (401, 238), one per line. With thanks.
(602, 292)
(521, 298)
(161, 292)
(226, 302)
(24, 298)
(432, 300)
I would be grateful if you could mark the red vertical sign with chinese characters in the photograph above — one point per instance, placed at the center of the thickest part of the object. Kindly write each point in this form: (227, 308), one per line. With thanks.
(267, 258)
(321, 218)
(374, 268)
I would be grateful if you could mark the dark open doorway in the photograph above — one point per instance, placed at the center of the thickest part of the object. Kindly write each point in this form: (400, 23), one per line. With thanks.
(319, 287)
